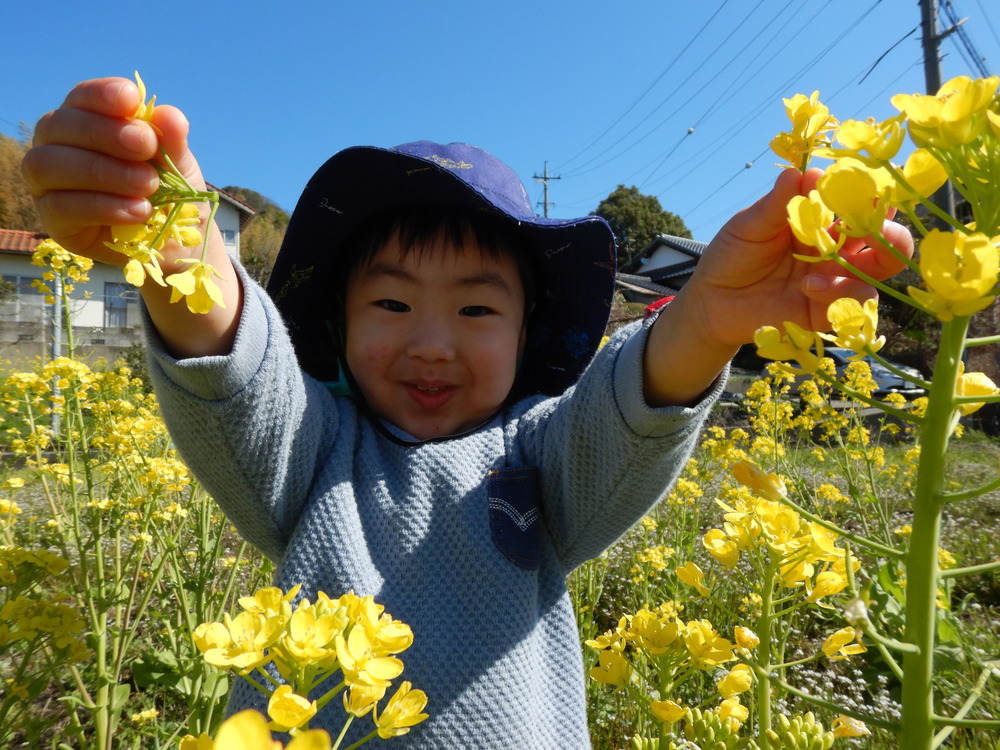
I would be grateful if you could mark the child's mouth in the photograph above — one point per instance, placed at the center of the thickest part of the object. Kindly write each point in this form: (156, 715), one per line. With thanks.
(430, 397)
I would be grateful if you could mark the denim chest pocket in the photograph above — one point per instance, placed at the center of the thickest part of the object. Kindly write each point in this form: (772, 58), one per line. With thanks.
(515, 514)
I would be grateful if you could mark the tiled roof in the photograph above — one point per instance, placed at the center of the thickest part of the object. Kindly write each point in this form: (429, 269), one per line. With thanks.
(19, 241)
(643, 284)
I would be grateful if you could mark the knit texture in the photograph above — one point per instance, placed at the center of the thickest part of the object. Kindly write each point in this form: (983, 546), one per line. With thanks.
(478, 575)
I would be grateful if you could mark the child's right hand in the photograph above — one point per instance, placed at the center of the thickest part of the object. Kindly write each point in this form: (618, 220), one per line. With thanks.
(88, 170)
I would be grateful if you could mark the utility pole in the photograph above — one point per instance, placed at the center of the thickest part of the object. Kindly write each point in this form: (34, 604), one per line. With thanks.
(544, 179)
(945, 197)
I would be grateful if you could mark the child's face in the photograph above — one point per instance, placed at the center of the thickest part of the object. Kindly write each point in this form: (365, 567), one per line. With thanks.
(433, 337)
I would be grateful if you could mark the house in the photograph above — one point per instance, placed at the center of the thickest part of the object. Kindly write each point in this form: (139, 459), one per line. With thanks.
(661, 269)
(105, 310)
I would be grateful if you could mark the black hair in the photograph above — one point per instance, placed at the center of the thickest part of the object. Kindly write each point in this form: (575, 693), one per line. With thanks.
(418, 226)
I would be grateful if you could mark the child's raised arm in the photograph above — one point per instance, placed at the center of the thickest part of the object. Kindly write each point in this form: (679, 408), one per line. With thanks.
(87, 171)
(748, 277)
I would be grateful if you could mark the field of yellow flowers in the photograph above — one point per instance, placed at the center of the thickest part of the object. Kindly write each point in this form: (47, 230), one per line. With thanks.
(823, 574)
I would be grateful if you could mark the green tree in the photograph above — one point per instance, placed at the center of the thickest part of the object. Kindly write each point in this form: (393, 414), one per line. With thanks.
(261, 239)
(17, 209)
(637, 219)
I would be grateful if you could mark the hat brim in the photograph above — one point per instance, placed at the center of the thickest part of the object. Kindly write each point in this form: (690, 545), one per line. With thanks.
(575, 260)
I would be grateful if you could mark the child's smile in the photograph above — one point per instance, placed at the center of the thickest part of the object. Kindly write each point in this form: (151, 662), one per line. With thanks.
(433, 336)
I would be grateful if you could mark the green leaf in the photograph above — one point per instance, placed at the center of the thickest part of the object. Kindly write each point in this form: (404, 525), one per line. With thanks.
(120, 697)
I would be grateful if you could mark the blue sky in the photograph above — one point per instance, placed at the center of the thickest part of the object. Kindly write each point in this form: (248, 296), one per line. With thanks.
(606, 93)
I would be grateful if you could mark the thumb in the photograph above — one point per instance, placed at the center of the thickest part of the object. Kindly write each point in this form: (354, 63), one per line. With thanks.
(768, 217)
(173, 129)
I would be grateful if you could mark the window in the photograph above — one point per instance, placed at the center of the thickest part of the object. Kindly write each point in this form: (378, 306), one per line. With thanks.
(229, 236)
(117, 298)
(22, 284)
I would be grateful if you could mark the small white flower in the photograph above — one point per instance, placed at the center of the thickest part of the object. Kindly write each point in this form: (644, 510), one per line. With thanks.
(856, 612)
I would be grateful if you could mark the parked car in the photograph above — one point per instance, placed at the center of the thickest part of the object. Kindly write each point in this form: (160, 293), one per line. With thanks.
(748, 367)
(886, 380)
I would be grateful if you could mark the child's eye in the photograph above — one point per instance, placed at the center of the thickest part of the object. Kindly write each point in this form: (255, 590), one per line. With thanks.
(393, 305)
(475, 311)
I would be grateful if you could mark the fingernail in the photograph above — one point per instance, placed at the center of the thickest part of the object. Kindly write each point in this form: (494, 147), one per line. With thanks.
(816, 283)
(141, 176)
(140, 208)
(133, 136)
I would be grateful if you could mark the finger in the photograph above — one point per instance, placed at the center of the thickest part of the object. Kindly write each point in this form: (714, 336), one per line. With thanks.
(56, 167)
(871, 257)
(174, 127)
(73, 218)
(825, 289)
(768, 217)
(114, 97)
(125, 139)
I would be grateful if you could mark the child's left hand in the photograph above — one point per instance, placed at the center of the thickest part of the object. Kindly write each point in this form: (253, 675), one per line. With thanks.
(749, 277)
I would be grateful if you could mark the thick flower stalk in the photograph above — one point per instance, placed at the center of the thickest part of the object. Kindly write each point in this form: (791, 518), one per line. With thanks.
(349, 642)
(957, 135)
(175, 218)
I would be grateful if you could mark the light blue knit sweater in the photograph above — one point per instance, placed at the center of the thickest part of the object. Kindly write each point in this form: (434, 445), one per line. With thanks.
(475, 566)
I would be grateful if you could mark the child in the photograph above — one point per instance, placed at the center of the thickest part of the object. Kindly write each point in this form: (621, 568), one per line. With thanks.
(480, 455)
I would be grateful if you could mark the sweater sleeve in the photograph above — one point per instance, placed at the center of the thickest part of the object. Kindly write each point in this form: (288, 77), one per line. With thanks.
(606, 457)
(249, 424)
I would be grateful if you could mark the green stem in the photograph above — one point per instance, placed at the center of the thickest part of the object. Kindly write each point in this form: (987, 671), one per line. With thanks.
(974, 695)
(922, 572)
(983, 341)
(952, 497)
(362, 741)
(972, 570)
(764, 695)
(859, 540)
(834, 707)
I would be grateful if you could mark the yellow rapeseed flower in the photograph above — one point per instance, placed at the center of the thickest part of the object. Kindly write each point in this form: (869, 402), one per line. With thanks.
(289, 710)
(745, 638)
(361, 665)
(923, 173)
(843, 644)
(733, 709)
(867, 140)
(692, 575)
(795, 344)
(360, 699)
(248, 730)
(845, 726)
(959, 271)
(811, 129)
(668, 711)
(707, 648)
(652, 633)
(810, 220)
(956, 115)
(828, 583)
(403, 710)
(854, 325)
(145, 109)
(973, 384)
(612, 669)
(721, 547)
(738, 680)
(766, 484)
(196, 286)
(250, 635)
(858, 194)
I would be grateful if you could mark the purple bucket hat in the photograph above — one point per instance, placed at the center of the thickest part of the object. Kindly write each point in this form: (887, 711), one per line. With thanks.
(575, 258)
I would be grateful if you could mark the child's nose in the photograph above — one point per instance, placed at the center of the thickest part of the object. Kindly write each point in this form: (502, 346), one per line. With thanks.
(431, 341)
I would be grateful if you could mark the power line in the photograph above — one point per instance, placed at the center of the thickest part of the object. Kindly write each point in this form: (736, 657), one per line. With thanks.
(648, 88)
(975, 60)
(580, 170)
(989, 23)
